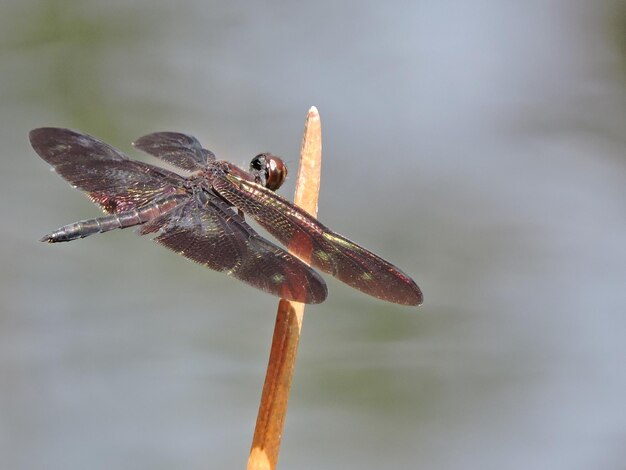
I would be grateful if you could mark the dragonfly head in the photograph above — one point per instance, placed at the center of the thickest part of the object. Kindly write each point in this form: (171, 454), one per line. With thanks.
(268, 170)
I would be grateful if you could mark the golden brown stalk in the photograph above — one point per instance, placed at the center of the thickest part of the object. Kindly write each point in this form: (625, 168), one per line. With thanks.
(282, 361)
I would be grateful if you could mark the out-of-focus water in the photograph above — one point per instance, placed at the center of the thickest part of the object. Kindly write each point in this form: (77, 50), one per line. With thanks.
(479, 146)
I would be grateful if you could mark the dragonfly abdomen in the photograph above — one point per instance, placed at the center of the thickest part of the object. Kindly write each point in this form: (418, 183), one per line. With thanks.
(130, 218)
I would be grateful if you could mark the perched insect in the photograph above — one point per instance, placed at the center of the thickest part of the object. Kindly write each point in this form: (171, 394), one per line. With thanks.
(201, 216)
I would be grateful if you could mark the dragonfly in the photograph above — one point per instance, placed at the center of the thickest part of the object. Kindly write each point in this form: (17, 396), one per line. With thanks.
(200, 212)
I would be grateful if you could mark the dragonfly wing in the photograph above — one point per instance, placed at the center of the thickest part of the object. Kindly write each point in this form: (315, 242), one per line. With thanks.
(212, 234)
(110, 178)
(329, 251)
(181, 150)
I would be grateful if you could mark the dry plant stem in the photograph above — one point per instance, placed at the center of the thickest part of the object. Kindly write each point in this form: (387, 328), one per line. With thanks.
(273, 408)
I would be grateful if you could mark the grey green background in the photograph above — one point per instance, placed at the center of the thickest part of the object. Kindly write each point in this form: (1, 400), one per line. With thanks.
(478, 145)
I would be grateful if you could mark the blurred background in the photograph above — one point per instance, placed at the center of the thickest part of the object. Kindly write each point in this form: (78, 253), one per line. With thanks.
(481, 146)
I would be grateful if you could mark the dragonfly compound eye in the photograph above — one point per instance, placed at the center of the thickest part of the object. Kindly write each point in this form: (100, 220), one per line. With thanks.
(269, 170)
